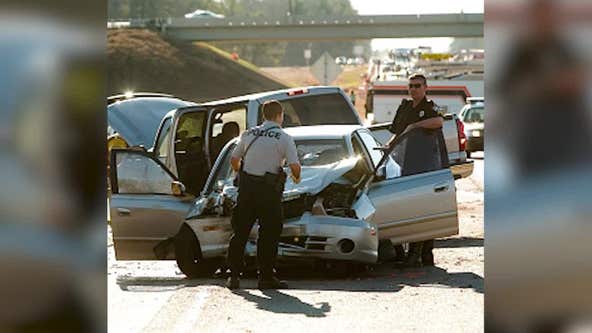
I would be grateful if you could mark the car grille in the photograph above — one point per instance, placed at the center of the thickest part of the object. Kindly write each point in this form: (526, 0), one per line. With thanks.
(314, 243)
(308, 242)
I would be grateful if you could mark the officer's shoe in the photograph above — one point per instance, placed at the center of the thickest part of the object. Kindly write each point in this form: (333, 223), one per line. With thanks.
(271, 283)
(233, 282)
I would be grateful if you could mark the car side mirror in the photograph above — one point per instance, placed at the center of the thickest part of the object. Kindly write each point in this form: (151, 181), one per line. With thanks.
(177, 188)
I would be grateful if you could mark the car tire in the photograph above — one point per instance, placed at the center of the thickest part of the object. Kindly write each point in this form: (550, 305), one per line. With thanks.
(188, 255)
(468, 154)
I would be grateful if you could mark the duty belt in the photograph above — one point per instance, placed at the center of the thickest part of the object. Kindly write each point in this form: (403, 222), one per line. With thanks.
(253, 177)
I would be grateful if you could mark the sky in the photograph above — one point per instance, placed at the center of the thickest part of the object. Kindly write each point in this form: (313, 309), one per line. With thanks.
(392, 7)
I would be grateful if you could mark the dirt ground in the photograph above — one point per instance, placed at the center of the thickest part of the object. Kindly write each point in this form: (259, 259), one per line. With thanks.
(143, 61)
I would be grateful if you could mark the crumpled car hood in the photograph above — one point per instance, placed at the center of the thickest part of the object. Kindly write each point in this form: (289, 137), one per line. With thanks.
(315, 178)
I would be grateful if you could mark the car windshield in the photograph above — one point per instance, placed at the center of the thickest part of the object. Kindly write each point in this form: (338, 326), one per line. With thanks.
(320, 152)
(475, 115)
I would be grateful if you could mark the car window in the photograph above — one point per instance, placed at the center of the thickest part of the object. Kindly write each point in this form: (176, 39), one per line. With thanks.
(420, 151)
(370, 143)
(162, 148)
(189, 134)
(325, 109)
(192, 165)
(320, 152)
(140, 174)
(191, 124)
(227, 125)
(238, 116)
(359, 151)
(223, 172)
(474, 115)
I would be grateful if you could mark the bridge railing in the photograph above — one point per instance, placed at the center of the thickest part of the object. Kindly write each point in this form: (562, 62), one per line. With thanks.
(298, 20)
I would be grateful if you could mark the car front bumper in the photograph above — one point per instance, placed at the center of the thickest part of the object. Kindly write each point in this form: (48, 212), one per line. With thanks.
(326, 237)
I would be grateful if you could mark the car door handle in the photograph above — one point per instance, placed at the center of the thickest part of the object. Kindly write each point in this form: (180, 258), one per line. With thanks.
(123, 212)
(440, 188)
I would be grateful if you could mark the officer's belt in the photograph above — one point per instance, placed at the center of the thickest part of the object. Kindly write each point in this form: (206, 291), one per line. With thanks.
(254, 178)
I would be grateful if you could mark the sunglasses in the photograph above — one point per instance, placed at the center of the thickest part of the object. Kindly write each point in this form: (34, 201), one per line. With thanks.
(415, 85)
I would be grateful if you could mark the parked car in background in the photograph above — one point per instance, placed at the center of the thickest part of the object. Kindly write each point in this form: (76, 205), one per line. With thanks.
(472, 116)
(352, 194)
(341, 60)
(200, 13)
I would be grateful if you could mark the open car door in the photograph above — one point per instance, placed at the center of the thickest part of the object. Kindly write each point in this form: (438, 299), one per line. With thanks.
(147, 205)
(420, 204)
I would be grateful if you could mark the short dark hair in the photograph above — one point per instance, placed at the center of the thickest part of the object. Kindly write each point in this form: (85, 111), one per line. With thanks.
(419, 77)
(272, 109)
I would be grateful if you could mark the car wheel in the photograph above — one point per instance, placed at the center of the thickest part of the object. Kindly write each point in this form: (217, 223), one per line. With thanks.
(188, 255)
(468, 154)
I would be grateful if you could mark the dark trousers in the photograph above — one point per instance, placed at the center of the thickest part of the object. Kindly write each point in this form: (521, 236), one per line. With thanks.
(257, 201)
(422, 250)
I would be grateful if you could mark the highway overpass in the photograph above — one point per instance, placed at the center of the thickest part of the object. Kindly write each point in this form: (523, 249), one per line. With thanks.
(320, 28)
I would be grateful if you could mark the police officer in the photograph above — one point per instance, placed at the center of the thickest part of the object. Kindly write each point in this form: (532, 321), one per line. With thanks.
(258, 158)
(417, 112)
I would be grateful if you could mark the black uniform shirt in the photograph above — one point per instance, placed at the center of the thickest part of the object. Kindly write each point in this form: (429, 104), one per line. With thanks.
(407, 114)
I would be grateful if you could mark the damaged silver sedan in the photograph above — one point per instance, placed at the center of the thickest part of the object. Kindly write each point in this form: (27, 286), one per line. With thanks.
(353, 193)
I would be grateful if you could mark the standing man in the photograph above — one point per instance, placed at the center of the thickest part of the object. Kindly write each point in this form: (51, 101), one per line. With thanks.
(419, 112)
(352, 96)
(258, 157)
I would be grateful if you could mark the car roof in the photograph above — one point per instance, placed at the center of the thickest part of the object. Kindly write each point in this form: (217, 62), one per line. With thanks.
(124, 97)
(321, 132)
(312, 90)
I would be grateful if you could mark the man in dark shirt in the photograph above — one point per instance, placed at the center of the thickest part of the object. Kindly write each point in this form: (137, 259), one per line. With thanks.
(418, 112)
